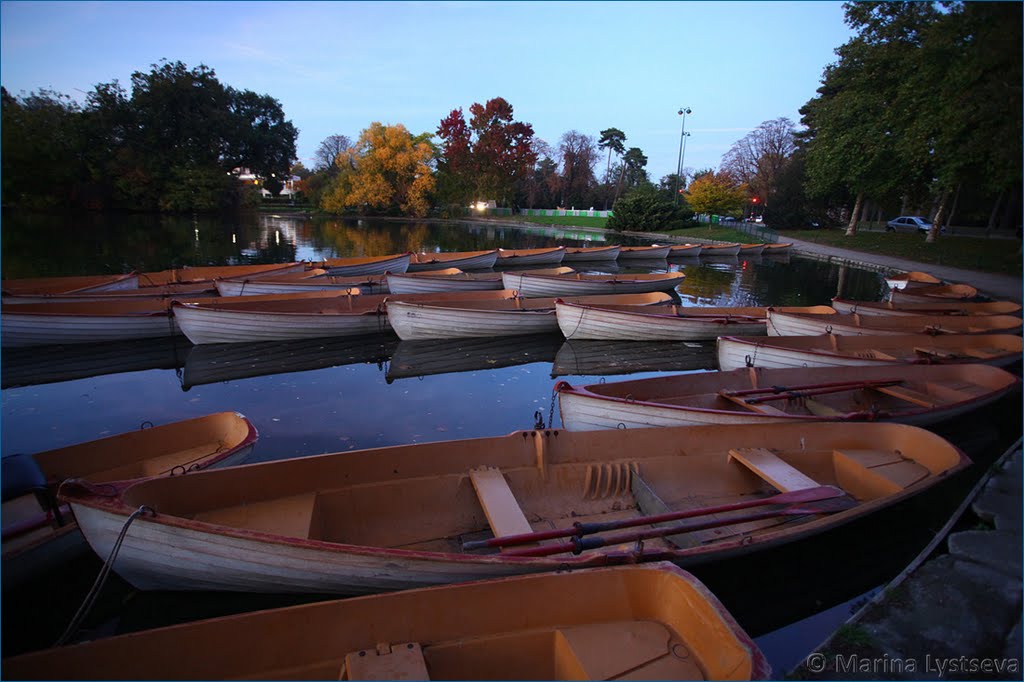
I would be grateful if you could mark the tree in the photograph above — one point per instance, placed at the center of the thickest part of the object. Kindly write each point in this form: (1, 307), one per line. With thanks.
(634, 164)
(327, 153)
(579, 154)
(613, 140)
(388, 169)
(647, 208)
(716, 193)
(758, 158)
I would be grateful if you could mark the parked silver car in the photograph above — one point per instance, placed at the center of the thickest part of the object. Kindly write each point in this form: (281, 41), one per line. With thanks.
(908, 223)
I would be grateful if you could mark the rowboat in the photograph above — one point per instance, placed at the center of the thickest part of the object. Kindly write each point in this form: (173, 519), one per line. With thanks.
(600, 358)
(49, 364)
(365, 284)
(37, 324)
(36, 529)
(751, 249)
(664, 323)
(798, 324)
(832, 350)
(590, 253)
(69, 285)
(924, 294)
(934, 307)
(648, 622)
(219, 362)
(909, 278)
(453, 279)
(727, 249)
(366, 265)
(685, 250)
(546, 256)
(209, 273)
(190, 289)
(368, 521)
(464, 260)
(416, 320)
(779, 249)
(909, 394)
(530, 284)
(445, 356)
(652, 252)
(267, 318)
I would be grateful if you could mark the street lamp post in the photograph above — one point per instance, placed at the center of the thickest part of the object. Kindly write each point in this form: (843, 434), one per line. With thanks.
(682, 136)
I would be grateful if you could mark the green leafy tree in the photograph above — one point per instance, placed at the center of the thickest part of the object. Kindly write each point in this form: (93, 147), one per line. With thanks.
(613, 140)
(716, 193)
(646, 208)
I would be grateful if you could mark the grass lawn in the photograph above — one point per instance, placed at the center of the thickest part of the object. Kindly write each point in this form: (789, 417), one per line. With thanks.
(971, 253)
(576, 221)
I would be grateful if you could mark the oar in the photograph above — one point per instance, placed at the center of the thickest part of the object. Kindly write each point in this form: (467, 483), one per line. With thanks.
(804, 496)
(803, 387)
(793, 393)
(576, 545)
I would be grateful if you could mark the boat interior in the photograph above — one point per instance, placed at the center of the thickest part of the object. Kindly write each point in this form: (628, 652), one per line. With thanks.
(542, 480)
(541, 627)
(341, 302)
(543, 304)
(915, 347)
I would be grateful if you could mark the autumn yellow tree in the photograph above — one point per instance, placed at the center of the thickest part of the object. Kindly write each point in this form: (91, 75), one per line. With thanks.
(718, 193)
(387, 169)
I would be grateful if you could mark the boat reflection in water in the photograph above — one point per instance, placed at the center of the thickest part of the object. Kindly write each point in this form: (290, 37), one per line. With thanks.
(212, 363)
(444, 356)
(66, 362)
(593, 358)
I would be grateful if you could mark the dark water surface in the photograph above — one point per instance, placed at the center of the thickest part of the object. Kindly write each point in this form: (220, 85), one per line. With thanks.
(328, 395)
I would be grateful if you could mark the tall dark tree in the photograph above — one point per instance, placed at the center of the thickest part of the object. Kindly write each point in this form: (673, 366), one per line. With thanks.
(327, 153)
(579, 155)
(613, 140)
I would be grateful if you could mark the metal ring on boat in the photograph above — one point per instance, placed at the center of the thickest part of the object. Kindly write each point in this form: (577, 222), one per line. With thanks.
(748, 360)
(143, 425)
(828, 329)
(620, 426)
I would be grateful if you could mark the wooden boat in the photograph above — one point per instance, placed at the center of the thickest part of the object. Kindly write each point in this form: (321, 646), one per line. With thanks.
(663, 323)
(778, 249)
(366, 265)
(464, 260)
(925, 294)
(219, 362)
(445, 356)
(37, 530)
(190, 289)
(453, 279)
(417, 320)
(727, 249)
(909, 394)
(751, 249)
(909, 278)
(599, 358)
(637, 621)
(49, 364)
(209, 273)
(590, 253)
(69, 285)
(364, 284)
(833, 350)
(798, 324)
(265, 318)
(369, 521)
(650, 252)
(546, 256)
(36, 324)
(934, 307)
(530, 284)
(685, 250)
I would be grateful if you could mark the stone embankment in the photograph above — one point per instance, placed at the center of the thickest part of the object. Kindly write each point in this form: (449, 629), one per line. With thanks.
(956, 615)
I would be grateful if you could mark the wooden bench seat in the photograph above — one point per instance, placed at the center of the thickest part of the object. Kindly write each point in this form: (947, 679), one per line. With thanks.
(870, 474)
(766, 464)
(907, 394)
(499, 504)
(763, 408)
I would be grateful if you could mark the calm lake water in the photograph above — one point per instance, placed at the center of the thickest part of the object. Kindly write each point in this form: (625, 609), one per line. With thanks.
(333, 395)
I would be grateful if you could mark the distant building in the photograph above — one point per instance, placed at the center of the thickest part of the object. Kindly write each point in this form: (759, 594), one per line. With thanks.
(249, 178)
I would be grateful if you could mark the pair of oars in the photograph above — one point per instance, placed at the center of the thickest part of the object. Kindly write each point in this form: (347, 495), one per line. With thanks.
(578, 543)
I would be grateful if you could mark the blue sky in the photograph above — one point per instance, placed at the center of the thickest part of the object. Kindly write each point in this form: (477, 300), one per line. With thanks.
(337, 66)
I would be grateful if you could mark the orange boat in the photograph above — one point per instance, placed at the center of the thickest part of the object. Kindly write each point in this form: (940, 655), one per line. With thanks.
(653, 622)
(36, 531)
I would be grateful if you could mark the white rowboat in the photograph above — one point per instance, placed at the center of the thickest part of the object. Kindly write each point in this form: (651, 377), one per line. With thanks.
(464, 260)
(530, 284)
(650, 252)
(590, 253)
(546, 256)
(371, 265)
(797, 324)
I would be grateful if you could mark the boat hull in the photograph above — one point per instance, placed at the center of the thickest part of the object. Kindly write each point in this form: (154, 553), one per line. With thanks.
(413, 284)
(210, 325)
(644, 252)
(412, 321)
(351, 267)
(369, 285)
(998, 350)
(721, 249)
(23, 330)
(594, 253)
(544, 286)
(512, 258)
(597, 323)
(481, 260)
(790, 324)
